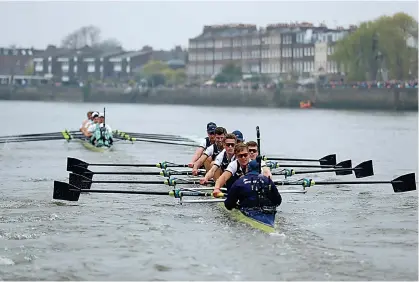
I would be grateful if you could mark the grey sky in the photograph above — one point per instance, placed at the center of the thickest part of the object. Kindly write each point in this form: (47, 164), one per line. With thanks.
(169, 23)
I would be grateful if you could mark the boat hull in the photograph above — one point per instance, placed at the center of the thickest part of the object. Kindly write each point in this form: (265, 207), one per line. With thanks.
(92, 147)
(262, 221)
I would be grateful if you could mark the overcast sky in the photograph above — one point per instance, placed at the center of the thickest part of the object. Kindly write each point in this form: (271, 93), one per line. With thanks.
(168, 23)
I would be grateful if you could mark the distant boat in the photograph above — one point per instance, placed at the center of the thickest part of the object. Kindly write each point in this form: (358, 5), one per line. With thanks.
(306, 104)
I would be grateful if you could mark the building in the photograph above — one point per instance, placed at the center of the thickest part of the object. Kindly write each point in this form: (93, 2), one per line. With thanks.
(277, 49)
(16, 63)
(88, 63)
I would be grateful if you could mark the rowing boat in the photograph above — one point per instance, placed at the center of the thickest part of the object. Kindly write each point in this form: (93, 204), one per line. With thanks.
(256, 219)
(86, 144)
(92, 147)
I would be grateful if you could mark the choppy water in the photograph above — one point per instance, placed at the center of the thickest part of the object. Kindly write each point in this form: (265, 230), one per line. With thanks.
(363, 232)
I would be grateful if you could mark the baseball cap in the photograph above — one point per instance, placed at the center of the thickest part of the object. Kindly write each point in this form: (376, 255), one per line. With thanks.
(239, 135)
(211, 128)
(253, 167)
(211, 124)
(95, 114)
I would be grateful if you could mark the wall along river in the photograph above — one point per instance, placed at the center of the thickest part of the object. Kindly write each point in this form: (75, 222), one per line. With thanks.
(345, 232)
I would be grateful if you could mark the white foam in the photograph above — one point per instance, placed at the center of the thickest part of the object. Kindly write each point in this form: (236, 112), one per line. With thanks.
(6, 261)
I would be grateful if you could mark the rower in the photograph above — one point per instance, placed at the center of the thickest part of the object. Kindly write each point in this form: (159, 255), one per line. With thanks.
(222, 160)
(211, 152)
(254, 153)
(253, 191)
(85, 124)
(92, 127)
(235, 169)
(239, 136)
(238, 167)
(99, 135)
(105, 128)
(206, 142)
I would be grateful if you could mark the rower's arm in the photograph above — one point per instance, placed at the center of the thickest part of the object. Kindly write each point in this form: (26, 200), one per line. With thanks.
(232, 197)
(200, 161)
(210, 174)
(198, 154)
(266, 172)
(276, 197)
(221, 181)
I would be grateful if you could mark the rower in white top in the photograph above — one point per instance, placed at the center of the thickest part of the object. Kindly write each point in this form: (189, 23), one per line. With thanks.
(243, 154)
(211, 152)
(92, 127)
(206, 142)
(85, 125)
(222, 160)
(102, 122)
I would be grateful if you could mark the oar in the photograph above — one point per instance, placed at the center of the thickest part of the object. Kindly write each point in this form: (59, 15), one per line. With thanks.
(364, 169)
(344, 164)
(152, 136)
(34, 139)
(79, 179)
(400, 184)
(76, 164)
(68, 192)
(32, 135)
(132, 139)
(326, 160)
(169, 172)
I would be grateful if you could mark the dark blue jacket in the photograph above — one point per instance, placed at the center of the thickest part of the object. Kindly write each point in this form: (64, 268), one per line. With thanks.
(253, 190)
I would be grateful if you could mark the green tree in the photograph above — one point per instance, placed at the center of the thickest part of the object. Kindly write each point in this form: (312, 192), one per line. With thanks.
(29, 70)
(154, 67)
(379, 44)
(229, 73)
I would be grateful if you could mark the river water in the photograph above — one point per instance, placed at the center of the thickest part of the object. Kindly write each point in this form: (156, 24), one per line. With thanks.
(357, 232)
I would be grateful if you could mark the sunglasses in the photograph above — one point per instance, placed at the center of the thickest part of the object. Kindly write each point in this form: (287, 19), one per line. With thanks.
(244, 155)
(230, 144)
(253, 151)
(211, 133)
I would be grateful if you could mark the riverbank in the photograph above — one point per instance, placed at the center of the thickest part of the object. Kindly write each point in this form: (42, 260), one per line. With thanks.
(347, 98)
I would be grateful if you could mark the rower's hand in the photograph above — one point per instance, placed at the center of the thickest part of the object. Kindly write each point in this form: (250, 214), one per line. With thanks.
(203, 181)
(190, 165)
(216, 191)
(195, 172)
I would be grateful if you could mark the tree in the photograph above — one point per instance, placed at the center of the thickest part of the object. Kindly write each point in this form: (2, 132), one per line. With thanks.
(108, 44)
(86, 35)
(89, 36)
(379, 45)
(229, 73)
(29, 69)
(154, 67)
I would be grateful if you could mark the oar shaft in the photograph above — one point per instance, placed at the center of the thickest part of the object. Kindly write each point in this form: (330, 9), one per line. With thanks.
(292, 160)
(313, 166)
(175, 193)
(323, 170)
(350, 182)
(32, 139)
(123, 192)
(129, 165)
(127, 182)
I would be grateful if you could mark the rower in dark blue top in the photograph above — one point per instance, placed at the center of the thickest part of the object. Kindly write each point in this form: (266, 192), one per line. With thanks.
(253, 191)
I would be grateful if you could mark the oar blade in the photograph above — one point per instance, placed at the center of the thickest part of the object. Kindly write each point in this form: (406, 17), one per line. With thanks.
(344, 164)
(404, 183)
(80, 170)
(80, 181)
(364, 169)
(73, 162)
(62, 192)
(328, 160)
